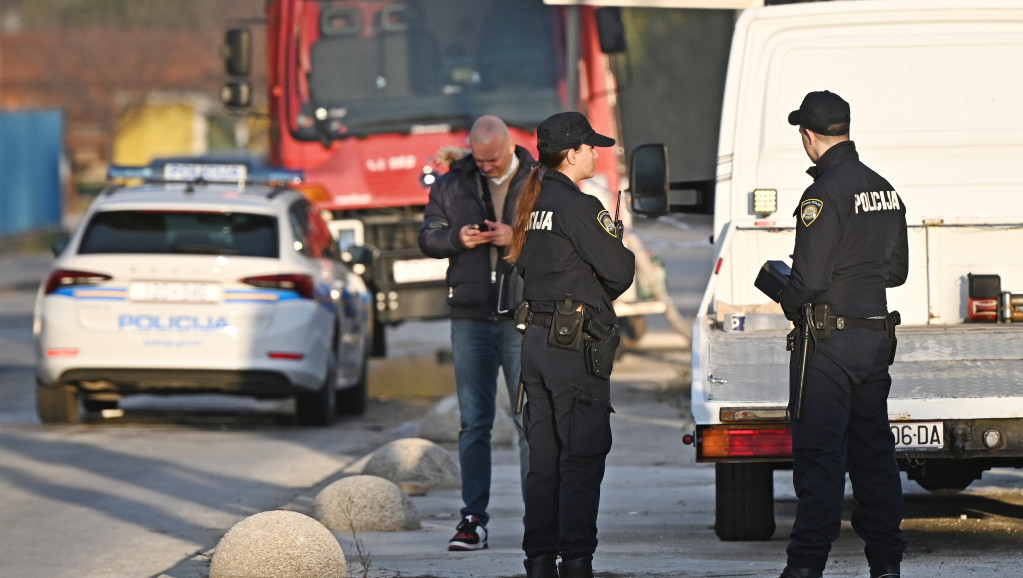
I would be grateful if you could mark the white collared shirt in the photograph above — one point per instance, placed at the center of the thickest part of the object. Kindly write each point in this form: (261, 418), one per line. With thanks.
(511, 171)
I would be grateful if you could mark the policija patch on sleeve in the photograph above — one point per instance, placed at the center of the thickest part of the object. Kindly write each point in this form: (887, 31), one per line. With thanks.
(605, 220)
(809, 210)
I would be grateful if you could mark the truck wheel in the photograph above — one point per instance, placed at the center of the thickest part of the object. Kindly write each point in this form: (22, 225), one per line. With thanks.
(56, 404)
(379, 339)
(317, 408)
(745, 502)
(944, 476)
(633, 329)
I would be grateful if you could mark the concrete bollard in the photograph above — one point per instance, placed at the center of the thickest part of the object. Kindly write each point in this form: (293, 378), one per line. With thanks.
(415, 460)
(365, 504)
(442, 421)
(278, 544)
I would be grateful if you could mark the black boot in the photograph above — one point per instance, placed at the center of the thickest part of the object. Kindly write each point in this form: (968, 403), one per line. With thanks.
(544, 566)
(576, 568)
(885, 571)
(790, 572)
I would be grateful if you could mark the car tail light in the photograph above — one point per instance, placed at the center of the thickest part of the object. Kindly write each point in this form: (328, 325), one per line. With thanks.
(301, 284)
(749, 442)
(70, 277)
(287, 355)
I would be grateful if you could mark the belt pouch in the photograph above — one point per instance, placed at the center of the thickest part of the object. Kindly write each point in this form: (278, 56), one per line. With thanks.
(566, 326)
(823, 320)
(600, 355)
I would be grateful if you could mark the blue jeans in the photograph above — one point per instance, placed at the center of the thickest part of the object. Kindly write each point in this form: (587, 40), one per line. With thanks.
(480, 349)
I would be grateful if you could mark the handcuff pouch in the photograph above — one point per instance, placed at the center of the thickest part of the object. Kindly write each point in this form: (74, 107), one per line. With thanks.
(566, 325)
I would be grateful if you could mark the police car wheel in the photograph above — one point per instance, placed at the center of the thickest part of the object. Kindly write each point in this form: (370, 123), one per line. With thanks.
(317, 408)
(56, 404)
(352, 400)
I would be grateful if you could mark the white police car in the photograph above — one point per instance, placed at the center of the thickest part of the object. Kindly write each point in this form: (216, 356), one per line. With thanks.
(200, 281)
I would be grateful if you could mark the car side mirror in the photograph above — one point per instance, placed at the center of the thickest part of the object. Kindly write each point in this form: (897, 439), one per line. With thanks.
(648, 179)
(60, 242)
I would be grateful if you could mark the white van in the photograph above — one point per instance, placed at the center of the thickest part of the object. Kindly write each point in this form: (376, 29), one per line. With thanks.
(935, 92)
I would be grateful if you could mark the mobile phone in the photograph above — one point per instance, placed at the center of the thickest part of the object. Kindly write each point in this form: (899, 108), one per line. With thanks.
(481, 227)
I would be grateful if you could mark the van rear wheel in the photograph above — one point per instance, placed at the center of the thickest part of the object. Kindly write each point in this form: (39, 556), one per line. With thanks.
(745, 501)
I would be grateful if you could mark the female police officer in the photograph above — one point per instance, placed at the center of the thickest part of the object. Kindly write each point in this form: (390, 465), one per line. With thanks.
(573, 263)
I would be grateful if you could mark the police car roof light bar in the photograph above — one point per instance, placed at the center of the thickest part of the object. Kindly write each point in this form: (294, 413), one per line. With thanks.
(209, 172)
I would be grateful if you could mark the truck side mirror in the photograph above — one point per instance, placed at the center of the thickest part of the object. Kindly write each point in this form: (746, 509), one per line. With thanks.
(238, 51)
(610, 30)
(359, 255)
(236, 94)
(648, 179)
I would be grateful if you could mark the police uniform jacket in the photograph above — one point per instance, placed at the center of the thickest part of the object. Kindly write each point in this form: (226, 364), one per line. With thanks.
(850, 238)
(456, 200)
(572, 247)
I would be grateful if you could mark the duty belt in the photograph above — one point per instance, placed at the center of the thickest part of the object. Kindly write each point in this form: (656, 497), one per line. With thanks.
(591, 327)
(843, 322)
(540, 319)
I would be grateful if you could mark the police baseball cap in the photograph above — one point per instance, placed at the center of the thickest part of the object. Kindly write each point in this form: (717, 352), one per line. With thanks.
(568, 130)
(822, 112)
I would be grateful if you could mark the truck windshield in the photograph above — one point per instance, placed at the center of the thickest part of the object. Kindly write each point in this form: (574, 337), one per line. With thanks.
(373, 66)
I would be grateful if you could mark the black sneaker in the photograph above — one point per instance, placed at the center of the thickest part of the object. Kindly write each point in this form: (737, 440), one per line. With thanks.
(471, 535)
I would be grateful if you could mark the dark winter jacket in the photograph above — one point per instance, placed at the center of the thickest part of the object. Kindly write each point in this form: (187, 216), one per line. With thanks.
(456, 200)
(573, 247)
(851, 239)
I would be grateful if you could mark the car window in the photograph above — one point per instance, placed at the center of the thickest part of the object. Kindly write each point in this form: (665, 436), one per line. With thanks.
(319, 234)
(311, 232)
(298, 216)
(181, 232)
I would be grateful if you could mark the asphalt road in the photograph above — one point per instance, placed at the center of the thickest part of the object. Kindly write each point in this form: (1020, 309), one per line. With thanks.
(151, 493)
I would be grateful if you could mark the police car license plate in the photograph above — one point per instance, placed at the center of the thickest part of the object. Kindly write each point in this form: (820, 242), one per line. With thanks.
(918, 435)
(174, 292)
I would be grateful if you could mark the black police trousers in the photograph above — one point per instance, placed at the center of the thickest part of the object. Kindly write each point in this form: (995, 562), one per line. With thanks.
(567, 420)
(844, 426)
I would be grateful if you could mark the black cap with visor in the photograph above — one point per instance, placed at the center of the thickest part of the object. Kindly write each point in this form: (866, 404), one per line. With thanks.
(568, 130)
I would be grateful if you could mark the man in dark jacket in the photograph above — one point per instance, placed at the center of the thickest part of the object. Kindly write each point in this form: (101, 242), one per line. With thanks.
(851, 245)
(468, 221)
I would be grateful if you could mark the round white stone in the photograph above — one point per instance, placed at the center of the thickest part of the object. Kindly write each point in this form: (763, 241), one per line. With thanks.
(365, 504)
(278, 544)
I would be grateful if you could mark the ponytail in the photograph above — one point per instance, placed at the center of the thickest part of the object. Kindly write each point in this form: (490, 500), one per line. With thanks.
(527, 200)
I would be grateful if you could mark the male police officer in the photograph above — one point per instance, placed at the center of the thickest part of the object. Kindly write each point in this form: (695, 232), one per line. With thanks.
(850, 245)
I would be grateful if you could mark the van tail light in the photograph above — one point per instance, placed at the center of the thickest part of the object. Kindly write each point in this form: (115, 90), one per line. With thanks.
(70, 277)
(301, 284)
(721, 442)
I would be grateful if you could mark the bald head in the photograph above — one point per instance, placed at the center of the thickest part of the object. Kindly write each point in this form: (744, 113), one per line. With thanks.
(491, 145)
